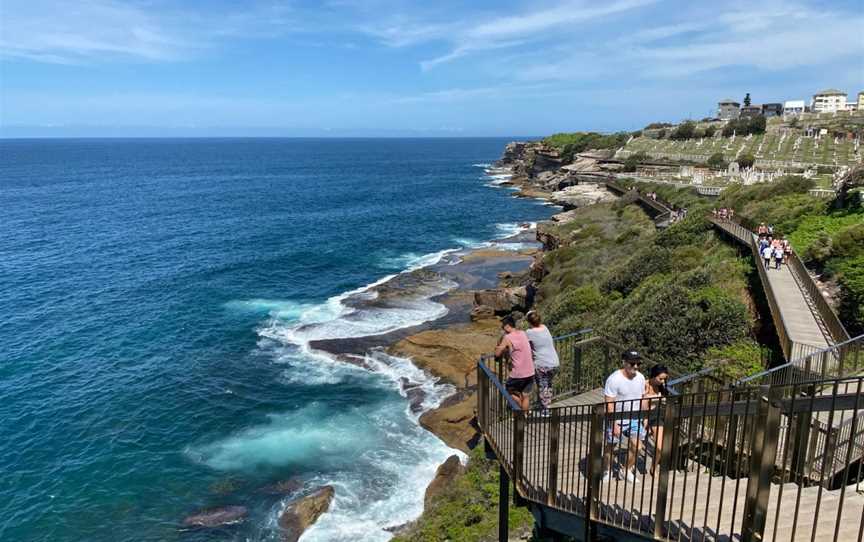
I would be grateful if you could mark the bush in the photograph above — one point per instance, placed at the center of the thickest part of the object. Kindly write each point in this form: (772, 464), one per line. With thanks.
(746, 160)
(710, 131)
(685, 130)
(716, 160)
(678, 320)
(634, 160)
(573, 302)
(467, 509)
(569, 144)
(735, 361)
(850, 276)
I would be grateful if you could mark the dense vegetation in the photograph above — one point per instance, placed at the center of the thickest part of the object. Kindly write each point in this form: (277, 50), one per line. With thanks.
(568, 144)
(828, 235)
(680, 294)
(468, 509)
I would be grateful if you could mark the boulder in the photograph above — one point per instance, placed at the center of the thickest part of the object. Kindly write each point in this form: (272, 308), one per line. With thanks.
(302, 513)
(502, 300)
(444, 476)
(455, 423)
(216, 517)
(581, 195)
(482, 312)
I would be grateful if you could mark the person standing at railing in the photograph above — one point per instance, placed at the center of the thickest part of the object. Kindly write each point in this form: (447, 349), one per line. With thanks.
(623, 393)
(546, 361)
(515, 343)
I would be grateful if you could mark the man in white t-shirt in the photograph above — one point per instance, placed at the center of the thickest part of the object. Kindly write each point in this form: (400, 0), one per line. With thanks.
(623, 392)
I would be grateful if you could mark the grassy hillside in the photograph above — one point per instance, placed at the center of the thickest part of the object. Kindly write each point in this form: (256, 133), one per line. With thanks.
(765, 147)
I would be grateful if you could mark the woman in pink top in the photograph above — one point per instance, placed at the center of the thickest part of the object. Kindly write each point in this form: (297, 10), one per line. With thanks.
(521, 362)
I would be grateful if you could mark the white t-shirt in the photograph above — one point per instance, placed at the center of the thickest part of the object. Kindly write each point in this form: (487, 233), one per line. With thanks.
(766, 252)
(625, 389)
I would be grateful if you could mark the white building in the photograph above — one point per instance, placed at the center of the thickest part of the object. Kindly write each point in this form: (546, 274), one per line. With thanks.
(793, 108)
(851, 106)
(829, 101)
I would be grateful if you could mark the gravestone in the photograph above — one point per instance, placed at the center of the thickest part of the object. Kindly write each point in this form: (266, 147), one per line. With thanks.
(734, 169)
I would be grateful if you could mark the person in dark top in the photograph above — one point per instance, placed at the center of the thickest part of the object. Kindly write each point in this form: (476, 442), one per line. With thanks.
(655, 390)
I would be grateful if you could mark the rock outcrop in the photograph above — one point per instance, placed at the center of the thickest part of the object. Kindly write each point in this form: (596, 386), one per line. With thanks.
(581, 195)
(216, 517)
(302, 513)
(502, 300)
(444, 476)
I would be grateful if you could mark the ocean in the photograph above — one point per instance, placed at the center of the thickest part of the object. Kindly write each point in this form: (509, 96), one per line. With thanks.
(158, 300)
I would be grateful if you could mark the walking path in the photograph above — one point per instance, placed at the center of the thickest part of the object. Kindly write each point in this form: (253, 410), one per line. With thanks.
(795, 314)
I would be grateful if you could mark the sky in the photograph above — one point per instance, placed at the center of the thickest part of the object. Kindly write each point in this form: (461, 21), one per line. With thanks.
(400, 68)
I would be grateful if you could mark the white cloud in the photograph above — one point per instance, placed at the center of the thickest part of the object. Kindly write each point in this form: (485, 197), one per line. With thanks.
(81, 31)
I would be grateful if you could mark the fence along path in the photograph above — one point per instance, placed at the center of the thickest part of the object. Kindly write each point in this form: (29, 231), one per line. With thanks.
(803, 320)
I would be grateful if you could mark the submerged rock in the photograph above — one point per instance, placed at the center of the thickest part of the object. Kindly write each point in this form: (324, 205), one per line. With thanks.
(282, 487)
(302, 513)
(216, 517)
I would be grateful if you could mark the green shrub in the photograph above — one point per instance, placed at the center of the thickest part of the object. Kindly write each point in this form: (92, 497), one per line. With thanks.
(716, 160)
(573, 302)
(467, 510)
(735, 361)
(849, 273)
(746, 161)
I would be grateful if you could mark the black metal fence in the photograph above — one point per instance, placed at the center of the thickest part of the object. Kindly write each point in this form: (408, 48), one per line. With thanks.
(778, 463)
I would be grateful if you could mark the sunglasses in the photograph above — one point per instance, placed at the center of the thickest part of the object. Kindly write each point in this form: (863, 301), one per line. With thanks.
(634, 363)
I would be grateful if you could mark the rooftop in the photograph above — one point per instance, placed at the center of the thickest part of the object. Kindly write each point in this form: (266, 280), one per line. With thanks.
(830, 92)
(728, 101)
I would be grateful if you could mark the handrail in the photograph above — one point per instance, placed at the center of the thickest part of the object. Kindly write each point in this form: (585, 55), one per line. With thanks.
(574, 334)
(747, 447)
(802, 361)
(829, 317)
(497, 383)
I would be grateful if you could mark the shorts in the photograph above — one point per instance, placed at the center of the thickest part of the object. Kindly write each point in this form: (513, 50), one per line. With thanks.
(629, 429)
(519, 385)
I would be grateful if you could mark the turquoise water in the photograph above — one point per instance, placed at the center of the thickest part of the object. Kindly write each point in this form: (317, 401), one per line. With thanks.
(157, 301)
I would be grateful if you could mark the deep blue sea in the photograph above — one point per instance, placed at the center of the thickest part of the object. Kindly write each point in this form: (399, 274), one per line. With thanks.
(157, 298)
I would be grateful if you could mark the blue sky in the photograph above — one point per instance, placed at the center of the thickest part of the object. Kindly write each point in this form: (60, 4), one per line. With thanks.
(392, 67)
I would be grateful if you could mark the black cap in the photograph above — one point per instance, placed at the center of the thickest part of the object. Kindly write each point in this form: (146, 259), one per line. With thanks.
(630, 355)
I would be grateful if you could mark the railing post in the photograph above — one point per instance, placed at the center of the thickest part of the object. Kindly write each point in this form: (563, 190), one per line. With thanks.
(577, 367)
(503, 505)
(762, 460)
(552, 477)
(595, 471)
(518, 451)
(670, 424)
(482, 399)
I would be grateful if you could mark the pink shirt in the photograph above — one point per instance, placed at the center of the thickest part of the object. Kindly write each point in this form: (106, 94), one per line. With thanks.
(520, 355)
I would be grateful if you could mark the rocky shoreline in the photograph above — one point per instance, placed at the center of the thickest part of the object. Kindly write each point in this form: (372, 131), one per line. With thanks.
(450, 350)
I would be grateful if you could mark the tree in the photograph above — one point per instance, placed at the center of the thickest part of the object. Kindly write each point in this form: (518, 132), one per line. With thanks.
(756, 125)
(747, 100)
(746, 160)
(684, 130)
(716, 160)
(710, 131)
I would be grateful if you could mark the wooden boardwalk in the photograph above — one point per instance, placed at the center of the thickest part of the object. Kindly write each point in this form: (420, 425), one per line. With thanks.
(798, 314)
(700, 506)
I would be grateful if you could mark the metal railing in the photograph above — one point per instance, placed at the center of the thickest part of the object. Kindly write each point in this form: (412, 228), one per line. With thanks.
(826, 313)
(754, 463)
(821, 309)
